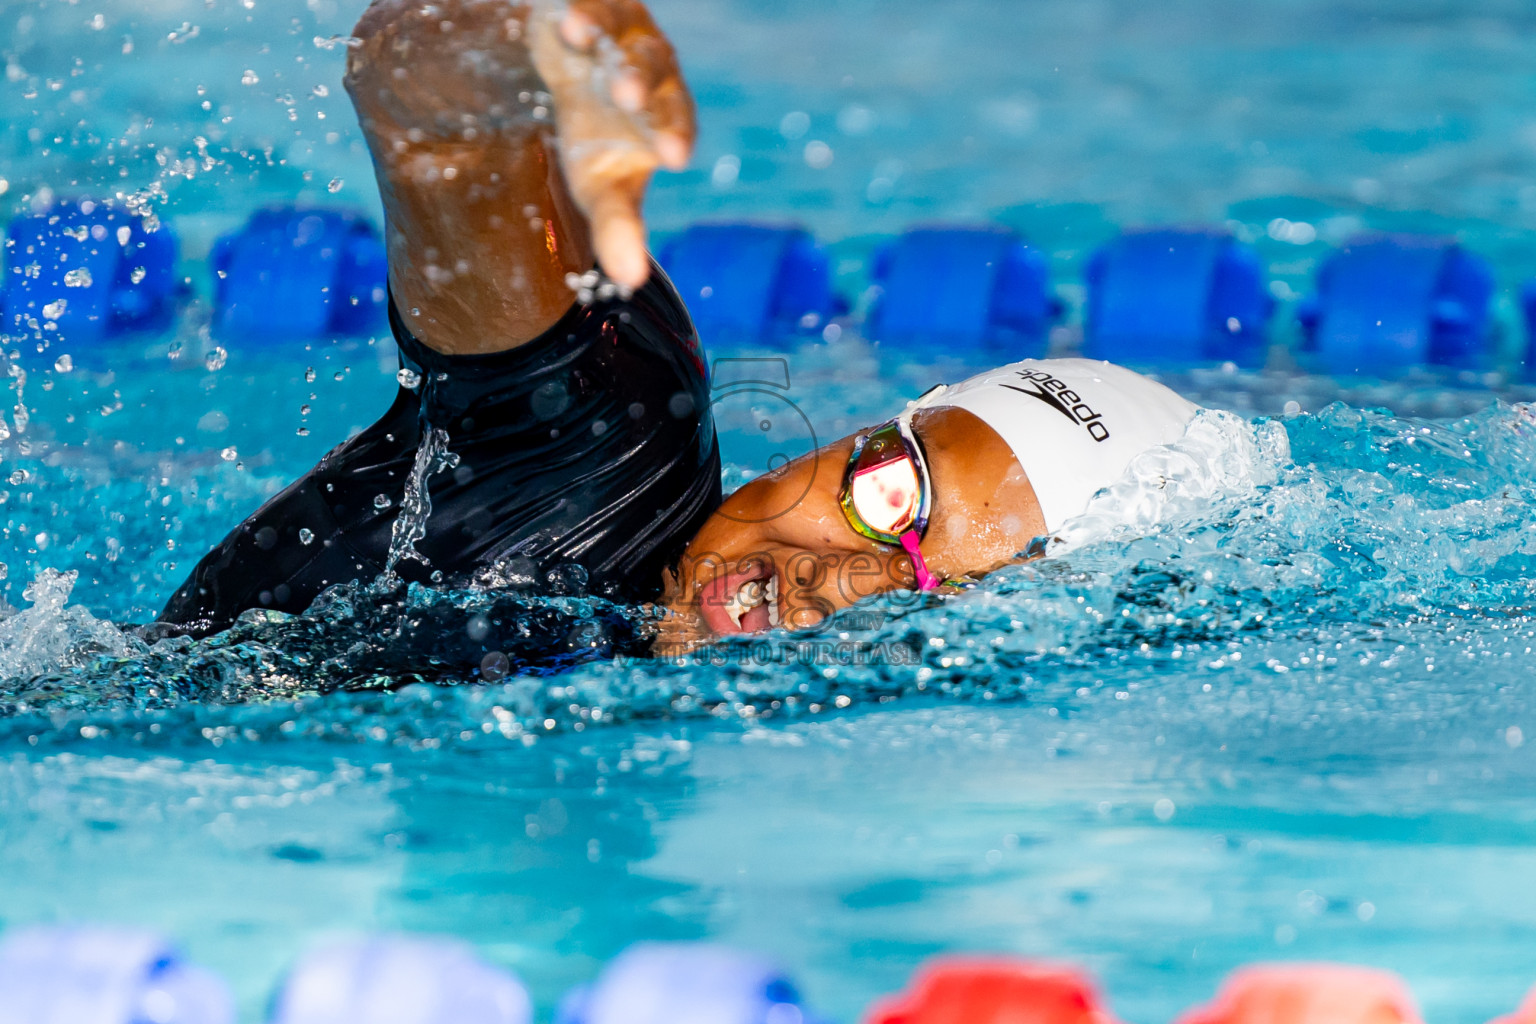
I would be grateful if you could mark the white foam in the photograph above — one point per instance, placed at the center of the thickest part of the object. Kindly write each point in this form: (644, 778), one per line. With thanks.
(50, 635)
(1220, 456)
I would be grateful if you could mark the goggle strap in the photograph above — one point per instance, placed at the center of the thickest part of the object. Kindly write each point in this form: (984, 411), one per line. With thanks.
(910, 540)
(925, 580)
(926, 399)
(920, 458)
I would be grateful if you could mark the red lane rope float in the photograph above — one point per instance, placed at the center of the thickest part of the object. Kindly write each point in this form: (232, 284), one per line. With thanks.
(1525, 1015)
(970, 990)
(1308, 994)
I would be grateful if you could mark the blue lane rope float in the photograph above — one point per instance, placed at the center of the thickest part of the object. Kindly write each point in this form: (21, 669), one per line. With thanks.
(1528, 311)
(300, 273)
(973, 287)
(1177, 296)
(84, 270)
(1387, 303)
(750, 283)
(685, 983)
(104, 976)
(399, 979)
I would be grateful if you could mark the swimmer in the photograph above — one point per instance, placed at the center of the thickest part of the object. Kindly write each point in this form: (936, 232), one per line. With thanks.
(964, 481)
(513, 147)
(565, 413)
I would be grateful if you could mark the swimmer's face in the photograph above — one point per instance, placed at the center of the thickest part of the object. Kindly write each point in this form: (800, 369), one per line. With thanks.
(780, 554)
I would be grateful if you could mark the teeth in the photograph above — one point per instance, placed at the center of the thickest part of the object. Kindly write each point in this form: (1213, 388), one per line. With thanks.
(750, 596)
(735, 609)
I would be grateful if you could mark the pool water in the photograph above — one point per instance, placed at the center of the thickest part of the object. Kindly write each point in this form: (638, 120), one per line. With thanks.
(1294, 718)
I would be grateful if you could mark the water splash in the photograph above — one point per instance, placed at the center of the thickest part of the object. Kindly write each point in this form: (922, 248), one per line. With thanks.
(1381, 548)
(50, 637)
(1220, 457)
(23, 416)
(432, 458)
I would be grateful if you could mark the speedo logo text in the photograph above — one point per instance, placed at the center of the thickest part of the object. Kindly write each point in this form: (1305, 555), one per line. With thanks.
(1053, 391)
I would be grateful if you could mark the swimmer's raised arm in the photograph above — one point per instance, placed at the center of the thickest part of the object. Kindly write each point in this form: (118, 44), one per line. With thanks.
(506, 138)
(512, 143)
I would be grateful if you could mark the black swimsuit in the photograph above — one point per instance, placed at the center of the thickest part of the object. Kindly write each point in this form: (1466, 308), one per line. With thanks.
(591, 446)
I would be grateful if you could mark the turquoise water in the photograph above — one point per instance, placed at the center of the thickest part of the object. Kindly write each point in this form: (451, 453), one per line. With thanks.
(1291, 720)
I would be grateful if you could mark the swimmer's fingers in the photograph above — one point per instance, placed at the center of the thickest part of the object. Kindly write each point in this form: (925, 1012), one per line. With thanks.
(649, 81)
(613, 137)
(587, 21)
(611, 189)
(672, 116)
(652, 83)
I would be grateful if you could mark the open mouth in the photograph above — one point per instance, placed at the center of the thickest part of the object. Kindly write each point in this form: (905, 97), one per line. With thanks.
(742, 602)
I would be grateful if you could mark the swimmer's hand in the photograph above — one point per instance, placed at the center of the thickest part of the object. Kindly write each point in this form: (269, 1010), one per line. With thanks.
(622, 110)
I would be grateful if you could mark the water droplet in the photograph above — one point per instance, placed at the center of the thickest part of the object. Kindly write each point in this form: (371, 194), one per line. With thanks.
(306, 536)
(818, 155)
(19, 477)
(322, 91)
(137, 277)
(304, 410)
(727, 171)
(80, 277)
(495, 666)
(302, 431)
(216, 359)
(795, 124)
(339, 376)
(331, 42)
(309, 374)
(229, 455)
(382, 502)
(249, 78)
(408, 378)
(54, 310)
(336, 185)
(64, 364)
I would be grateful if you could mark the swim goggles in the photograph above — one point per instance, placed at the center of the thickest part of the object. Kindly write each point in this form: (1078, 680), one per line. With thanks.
(887, 492)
